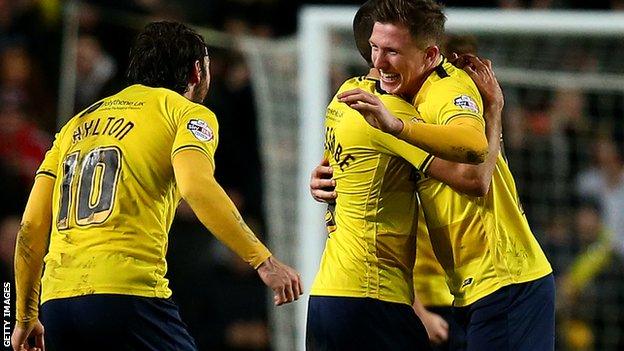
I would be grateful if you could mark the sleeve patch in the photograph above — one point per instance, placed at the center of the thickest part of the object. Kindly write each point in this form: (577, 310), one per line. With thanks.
(467, 103)
(200, 130)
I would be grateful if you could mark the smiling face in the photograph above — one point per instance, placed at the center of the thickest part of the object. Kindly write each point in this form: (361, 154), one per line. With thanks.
(403, 66)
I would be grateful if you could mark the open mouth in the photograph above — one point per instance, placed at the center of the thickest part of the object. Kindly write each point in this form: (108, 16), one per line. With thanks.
(389, 77)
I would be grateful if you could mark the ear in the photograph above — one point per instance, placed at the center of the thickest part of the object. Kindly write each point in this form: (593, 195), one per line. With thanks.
(431, 54)
(196, 73)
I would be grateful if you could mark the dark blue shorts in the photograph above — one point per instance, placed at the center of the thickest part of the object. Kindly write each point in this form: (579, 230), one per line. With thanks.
(348, 323)
(519, 317)
(456, 336)
(114, 322)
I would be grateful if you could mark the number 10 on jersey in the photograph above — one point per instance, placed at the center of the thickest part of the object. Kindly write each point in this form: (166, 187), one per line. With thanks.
(92, 198)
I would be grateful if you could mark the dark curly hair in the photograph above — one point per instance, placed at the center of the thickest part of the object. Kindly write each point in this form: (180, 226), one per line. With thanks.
(164, 55)
(423, 18)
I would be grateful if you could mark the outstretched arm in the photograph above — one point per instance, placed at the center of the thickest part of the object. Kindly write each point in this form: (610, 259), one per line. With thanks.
(30, 249)
(194, 175)
(474, 180)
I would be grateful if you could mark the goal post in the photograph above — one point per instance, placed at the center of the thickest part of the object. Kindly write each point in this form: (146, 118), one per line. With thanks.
(315, 24)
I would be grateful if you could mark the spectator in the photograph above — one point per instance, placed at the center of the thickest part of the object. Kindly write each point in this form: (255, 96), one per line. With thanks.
(94, 69)
(22, 84)
(22, 144)
(604, 182)
(558, 243)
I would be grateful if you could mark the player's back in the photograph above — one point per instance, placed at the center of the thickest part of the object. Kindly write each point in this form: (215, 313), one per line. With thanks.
(115, 194)
(371, 252)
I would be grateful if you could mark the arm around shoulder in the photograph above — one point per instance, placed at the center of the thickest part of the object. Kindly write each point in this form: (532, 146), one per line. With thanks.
(469, 179)
(472, 180)
(462, 140)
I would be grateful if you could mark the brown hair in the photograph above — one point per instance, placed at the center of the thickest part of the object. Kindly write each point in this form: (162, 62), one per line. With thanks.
(164, 55)
(423, 18)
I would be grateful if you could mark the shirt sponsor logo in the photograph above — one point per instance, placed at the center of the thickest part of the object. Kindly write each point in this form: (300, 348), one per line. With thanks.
(200, 129)
(467, 103)
(467, 282)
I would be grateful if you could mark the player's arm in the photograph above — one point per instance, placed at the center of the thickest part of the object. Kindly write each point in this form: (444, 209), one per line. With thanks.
(475, 180)
(461, 140)
(194, 175)
(437, 328)
(30, 249)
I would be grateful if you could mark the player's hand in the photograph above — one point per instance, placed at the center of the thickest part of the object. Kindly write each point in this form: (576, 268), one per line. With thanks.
(373, 110)
(437, 327)
(480, 70)
(21, 334)
(459, 61)
(282, 279)
(322, 186)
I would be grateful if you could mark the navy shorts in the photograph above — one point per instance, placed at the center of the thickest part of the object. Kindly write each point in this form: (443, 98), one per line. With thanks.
(456, 336)
(114, 322)
(348, 323)
(519, 317)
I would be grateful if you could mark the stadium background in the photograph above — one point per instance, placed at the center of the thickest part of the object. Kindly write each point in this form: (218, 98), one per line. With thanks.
(563, 125)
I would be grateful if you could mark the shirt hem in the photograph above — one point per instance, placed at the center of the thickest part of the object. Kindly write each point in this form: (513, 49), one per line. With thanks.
(345, 293)
(107, 290)
(502, 284)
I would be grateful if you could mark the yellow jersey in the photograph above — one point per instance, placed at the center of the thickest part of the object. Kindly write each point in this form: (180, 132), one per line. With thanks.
(483, 243)
(115, 193)
(429, 277)
(371, 250)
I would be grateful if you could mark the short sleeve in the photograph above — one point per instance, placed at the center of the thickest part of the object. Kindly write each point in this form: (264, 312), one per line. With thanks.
(451, 98)
(197, 128)
(50, 165)
(394, 146)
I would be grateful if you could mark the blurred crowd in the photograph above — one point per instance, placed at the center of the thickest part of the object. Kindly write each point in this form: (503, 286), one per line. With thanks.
(564, 148)
(570, 172)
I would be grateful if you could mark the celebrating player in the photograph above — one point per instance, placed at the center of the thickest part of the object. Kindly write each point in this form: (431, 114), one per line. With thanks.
(103, 201)
(429, 280)
(498, 274)
(364, 285)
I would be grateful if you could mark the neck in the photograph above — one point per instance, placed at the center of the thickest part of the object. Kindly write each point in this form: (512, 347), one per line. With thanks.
(189, 93)
(425, 75)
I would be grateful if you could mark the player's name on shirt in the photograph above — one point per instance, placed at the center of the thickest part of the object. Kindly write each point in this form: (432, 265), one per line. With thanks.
(335, 148)
(117, 127)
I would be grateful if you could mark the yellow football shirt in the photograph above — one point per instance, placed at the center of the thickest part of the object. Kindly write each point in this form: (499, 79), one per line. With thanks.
(482, 243)
(371, 251)
(429, 277)
(115, 193)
